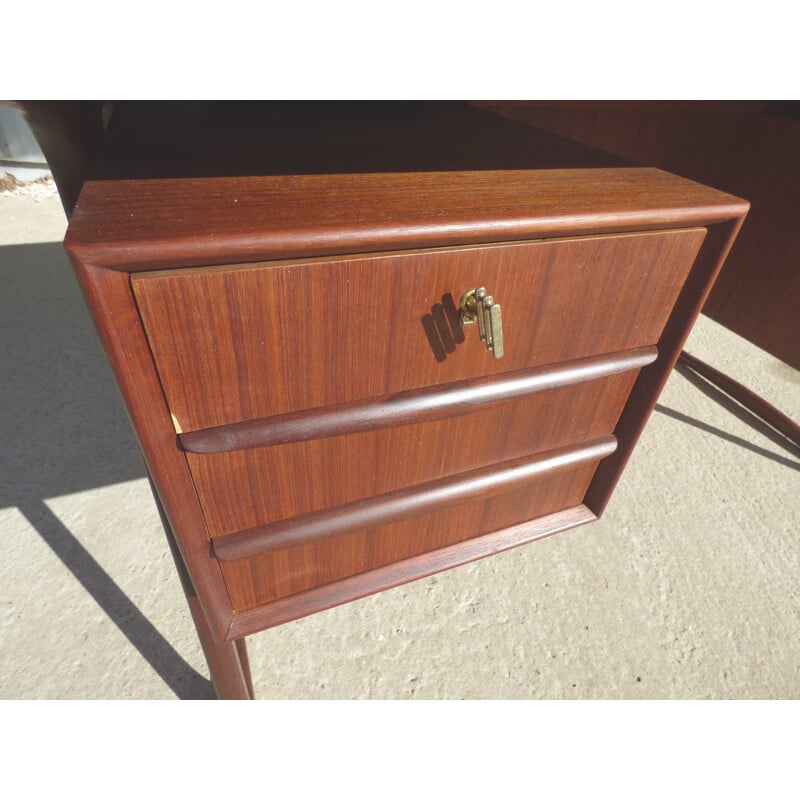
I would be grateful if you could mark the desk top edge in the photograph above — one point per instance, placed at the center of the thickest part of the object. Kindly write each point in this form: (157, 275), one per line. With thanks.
(437, 175)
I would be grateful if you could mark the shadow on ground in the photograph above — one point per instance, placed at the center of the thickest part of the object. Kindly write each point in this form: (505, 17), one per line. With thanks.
(738, 411)
(65, 431)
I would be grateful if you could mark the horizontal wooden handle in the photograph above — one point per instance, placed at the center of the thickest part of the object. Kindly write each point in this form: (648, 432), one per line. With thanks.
(410, 502)
(415, 406)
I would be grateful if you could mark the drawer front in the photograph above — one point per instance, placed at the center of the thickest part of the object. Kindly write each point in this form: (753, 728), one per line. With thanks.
(246, 488)
(269, 576)
(255, 341)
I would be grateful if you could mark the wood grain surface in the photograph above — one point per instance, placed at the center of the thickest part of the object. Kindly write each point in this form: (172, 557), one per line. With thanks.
(651, 380)
(748, 149)
(146, 225)
(235, 344)
(297, 288)
(247, 488)
(411, 502)
(269, 576)
(199, 184)
(328, 595)
(110, 300)
(406, 408)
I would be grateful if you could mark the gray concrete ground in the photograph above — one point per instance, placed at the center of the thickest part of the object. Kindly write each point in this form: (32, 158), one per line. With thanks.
(688, 587)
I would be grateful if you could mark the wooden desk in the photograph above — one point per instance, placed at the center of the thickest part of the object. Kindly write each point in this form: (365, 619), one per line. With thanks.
(278, 292)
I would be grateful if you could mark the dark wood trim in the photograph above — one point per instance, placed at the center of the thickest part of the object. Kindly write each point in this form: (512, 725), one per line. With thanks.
(651, 380)
(366, 583)
(411, 407)
(408, 503)
(244, 660)
(110, 298)
(745, 397)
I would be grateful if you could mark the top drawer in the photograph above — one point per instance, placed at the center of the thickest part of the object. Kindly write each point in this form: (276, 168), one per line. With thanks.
(242, 342)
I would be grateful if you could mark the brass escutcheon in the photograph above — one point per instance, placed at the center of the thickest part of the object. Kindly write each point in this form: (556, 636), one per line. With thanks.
(477, 306)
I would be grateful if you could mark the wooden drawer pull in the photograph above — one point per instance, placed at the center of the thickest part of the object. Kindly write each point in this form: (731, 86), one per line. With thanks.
(411, 502)
(411, 407)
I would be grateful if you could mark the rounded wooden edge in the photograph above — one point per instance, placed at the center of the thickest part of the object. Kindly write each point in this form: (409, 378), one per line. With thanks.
(321, 598)
(410, 407)
(410, 502)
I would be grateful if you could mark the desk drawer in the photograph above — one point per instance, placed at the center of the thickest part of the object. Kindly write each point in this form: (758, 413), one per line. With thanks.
(248, 342)
(267, 369)
(256, 575)
(244, 488)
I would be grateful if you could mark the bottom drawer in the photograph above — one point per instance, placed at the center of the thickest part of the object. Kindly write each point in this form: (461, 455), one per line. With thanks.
(270, 574)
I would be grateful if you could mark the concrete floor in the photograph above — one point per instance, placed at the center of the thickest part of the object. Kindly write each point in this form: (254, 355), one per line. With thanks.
(688, 587)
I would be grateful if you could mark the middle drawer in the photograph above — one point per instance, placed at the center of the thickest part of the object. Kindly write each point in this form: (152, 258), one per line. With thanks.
(245, 488)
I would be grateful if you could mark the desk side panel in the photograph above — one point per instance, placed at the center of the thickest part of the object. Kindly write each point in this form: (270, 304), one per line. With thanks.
(110, 299)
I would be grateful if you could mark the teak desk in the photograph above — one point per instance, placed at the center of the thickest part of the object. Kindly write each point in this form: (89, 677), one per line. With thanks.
(362, 343)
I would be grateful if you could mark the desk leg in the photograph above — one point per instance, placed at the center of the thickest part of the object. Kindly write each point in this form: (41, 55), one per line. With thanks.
(754, 403)
(241, 647)
(227, 662)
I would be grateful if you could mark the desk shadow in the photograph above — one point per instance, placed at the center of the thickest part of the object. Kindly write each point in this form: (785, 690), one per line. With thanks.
(64, 430)
(729, 437)
(739, 412)
(181, 678)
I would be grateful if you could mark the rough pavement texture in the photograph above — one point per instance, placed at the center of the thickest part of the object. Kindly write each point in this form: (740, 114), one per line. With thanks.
(686, 589)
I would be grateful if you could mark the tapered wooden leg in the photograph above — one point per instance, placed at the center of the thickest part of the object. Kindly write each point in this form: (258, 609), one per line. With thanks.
(227, 662)
(230, 673)
(241, 646)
